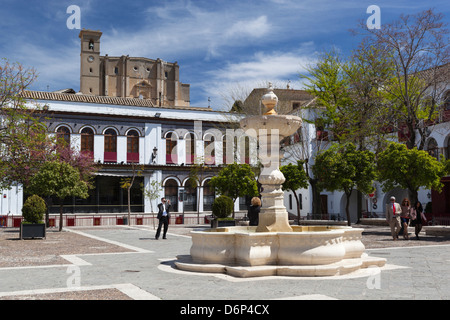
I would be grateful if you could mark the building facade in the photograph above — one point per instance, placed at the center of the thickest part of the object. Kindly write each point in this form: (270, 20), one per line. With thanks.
(162, 143)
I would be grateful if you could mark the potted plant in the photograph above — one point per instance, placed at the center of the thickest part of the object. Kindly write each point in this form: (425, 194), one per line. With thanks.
(33, 213)
(222, 208)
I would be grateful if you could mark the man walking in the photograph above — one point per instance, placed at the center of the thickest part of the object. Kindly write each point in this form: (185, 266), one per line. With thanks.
(163, 217)
(393, 211)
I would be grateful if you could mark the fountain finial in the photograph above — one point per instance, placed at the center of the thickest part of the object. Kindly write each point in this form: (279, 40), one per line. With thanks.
(270, 100)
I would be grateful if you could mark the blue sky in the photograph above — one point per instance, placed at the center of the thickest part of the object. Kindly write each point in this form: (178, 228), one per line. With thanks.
(224, 48)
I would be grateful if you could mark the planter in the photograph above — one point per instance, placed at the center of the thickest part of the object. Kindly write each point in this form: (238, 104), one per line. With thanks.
(32, 230)
(217, 223)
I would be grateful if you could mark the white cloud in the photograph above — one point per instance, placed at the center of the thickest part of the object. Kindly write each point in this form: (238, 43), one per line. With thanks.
(255, 28)
(277, 67)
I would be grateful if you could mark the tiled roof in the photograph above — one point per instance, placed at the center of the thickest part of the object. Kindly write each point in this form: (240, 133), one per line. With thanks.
(57, 96)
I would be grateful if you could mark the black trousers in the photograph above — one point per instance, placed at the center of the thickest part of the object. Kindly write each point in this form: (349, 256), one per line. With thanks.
(162, 221)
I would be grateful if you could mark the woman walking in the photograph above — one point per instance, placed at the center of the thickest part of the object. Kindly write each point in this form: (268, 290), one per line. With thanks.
(417, 218)
(405, 216)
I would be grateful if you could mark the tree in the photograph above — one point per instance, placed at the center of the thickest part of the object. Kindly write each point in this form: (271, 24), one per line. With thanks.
(235, 180)
(152, 193)
(410, 169)
(348, 92)
(344, 168)
(127, 183)
(24, 143)
(61, 180)
(196, 174)
(418, 46)
(296, 178)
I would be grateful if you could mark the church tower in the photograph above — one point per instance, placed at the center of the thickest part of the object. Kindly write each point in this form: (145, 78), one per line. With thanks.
(90, 62)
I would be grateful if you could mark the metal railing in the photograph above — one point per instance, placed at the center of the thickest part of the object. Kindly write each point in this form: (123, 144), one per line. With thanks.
(86, 220)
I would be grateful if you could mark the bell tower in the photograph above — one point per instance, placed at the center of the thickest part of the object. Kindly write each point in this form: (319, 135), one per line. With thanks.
(90, 62)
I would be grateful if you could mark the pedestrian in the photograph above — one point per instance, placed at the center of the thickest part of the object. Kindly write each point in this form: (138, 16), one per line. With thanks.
(404, 217)
(393, 211)
(163, 217)
(253, 211)
(417, 218)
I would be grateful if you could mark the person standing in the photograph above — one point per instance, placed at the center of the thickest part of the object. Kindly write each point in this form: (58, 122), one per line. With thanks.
(393, 211)
(163, 217)
(253, 211)
(417, 218)
(404, 217)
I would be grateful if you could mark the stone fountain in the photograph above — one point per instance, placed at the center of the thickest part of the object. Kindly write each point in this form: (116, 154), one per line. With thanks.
(275, 247)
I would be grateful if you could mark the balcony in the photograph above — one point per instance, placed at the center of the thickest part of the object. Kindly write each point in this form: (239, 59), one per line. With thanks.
(171, 159)
(110, 157)
(133, 157)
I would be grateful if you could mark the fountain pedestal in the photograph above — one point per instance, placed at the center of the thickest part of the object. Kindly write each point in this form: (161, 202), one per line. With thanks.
(269, 129)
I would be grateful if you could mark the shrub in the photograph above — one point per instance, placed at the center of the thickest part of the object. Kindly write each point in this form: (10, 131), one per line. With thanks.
(222, 207)
(34, 209)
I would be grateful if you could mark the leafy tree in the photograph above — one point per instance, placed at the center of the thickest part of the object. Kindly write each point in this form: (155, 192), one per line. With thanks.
(344, 168)
(61, 180)
(197, 173)
(235, 180)
(348, 92)
(127, 183)
(419, 48)
(152, 193)
(296, 178)
(24, 143)
(409, 169)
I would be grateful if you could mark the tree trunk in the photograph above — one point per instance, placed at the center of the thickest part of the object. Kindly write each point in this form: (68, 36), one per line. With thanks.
(129, 205)
(298, 207)
(347, 208)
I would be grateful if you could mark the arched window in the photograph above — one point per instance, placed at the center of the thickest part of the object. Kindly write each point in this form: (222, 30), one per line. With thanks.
(63, 135)
(91, 44)
(224, 150)
(171, 143)
(87, 141)
(132, 146)
(432, 148)
(447, 101)
(209, 195)
(171, 193)
(210, 151)
(190, 190)
(110, 146)
(190, 148)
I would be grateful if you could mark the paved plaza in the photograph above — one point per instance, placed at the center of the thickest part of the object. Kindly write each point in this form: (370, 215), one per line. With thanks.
(121, 262)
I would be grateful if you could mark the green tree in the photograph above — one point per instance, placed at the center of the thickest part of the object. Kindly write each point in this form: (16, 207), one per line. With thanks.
(235, 180)
(419, 48)
(152, 193)
(24, 142)
(127, 183)
(410, 169)
(344, 168)
(61, 180)
(196, 174)
(296, 178)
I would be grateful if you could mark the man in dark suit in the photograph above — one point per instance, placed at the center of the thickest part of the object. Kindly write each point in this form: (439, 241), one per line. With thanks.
(163, 217)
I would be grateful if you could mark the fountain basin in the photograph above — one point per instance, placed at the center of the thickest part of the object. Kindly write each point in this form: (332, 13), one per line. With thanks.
(306, 251)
